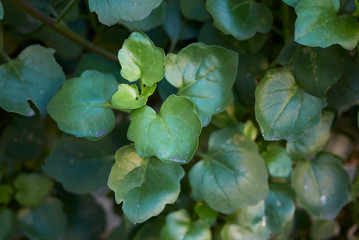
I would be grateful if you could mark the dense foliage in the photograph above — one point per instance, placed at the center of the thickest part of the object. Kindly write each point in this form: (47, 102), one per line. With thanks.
(217, 119)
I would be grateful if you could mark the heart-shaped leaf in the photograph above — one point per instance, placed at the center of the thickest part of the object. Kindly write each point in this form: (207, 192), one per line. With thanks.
(82, 107)
(231, 175)
(240, 18)
(141, 59)
(80, 166)
(144, 185)
(322, 186)
(319, 25)
(283, 109)
(204, 74)
(34, 75)
(171, 135)
(111, 11)
(128, 96)
(179, 225)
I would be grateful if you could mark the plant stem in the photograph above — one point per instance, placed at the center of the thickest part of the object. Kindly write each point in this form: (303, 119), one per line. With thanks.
(1, 36)
(63, 29)
(285, 21)
(66, 10)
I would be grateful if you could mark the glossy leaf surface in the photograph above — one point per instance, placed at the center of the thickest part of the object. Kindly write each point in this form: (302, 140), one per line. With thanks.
(34, 75)
(322, 186)
(318, 24)
(82, 106)
(171, 135)
(141, 59)
(242, 18)
(204, 74)
(144, 185)
(283, 109)
(128, 96)
(80, 166)
(231, 174)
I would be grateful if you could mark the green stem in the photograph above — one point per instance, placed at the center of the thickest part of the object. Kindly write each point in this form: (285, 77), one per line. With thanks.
(285, 21)
(5, 56)
(1, 36)
(64, 11)
(63, 29)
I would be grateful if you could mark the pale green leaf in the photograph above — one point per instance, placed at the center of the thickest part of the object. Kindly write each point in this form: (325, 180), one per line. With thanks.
(291, 3)
(313, 140)
(144, 185)
(318, 24)
(205, 213)
(82, 106)
(34, 75)
(46, 221)
(194, 10)
(128, 96)
(322, 229)
(32, 189)
(204, 74)
(171, 135)
(1, 11)
(232, 231)
(240, 18)
(111, 11)
(141, 59)
(322, 186)
(278, 162)
(345, 93)
(317, 69)
(231, 174)
(8, 223)
(153, 20)
(80, 166)
(283, 109)
(179, 226)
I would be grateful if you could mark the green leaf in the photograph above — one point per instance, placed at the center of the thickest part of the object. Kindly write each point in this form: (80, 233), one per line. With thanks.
(317, 69)
(205, 213)
(322, 186)
(283, 109)
(32, 189)
(194, 10)
(267, 217)
(231, 174)
(150, 230)
(144, 185)
(8, 223)
(46, 221)
(291, 3)
(240, 18)
(34, 75)
(204, 74)
(128, 96)
(141, 59)
(6, 193)
(80, 166)
(82, 106)
(179, 226)
(171, 135)
(313, 140)
(322, 229)
(345, 93)
(278, 162)
(111, 11)
(153, 20)
(318, 24)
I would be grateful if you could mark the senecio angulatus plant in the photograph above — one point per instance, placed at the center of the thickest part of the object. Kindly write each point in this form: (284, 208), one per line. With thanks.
(179, 119)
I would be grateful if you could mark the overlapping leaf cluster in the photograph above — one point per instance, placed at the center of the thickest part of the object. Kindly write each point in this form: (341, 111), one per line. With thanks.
(220, 119)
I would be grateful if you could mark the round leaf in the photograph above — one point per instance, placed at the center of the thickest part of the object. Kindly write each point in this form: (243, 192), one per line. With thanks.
(141, 59)
(171, 135)
(318, 24)
(80, 166)
(82, 106)
(322, 186)
(278, 162)
(231, 174)
(204, 74)
(144, 185)
(240, 18)
(34, 75)
(283, 109)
